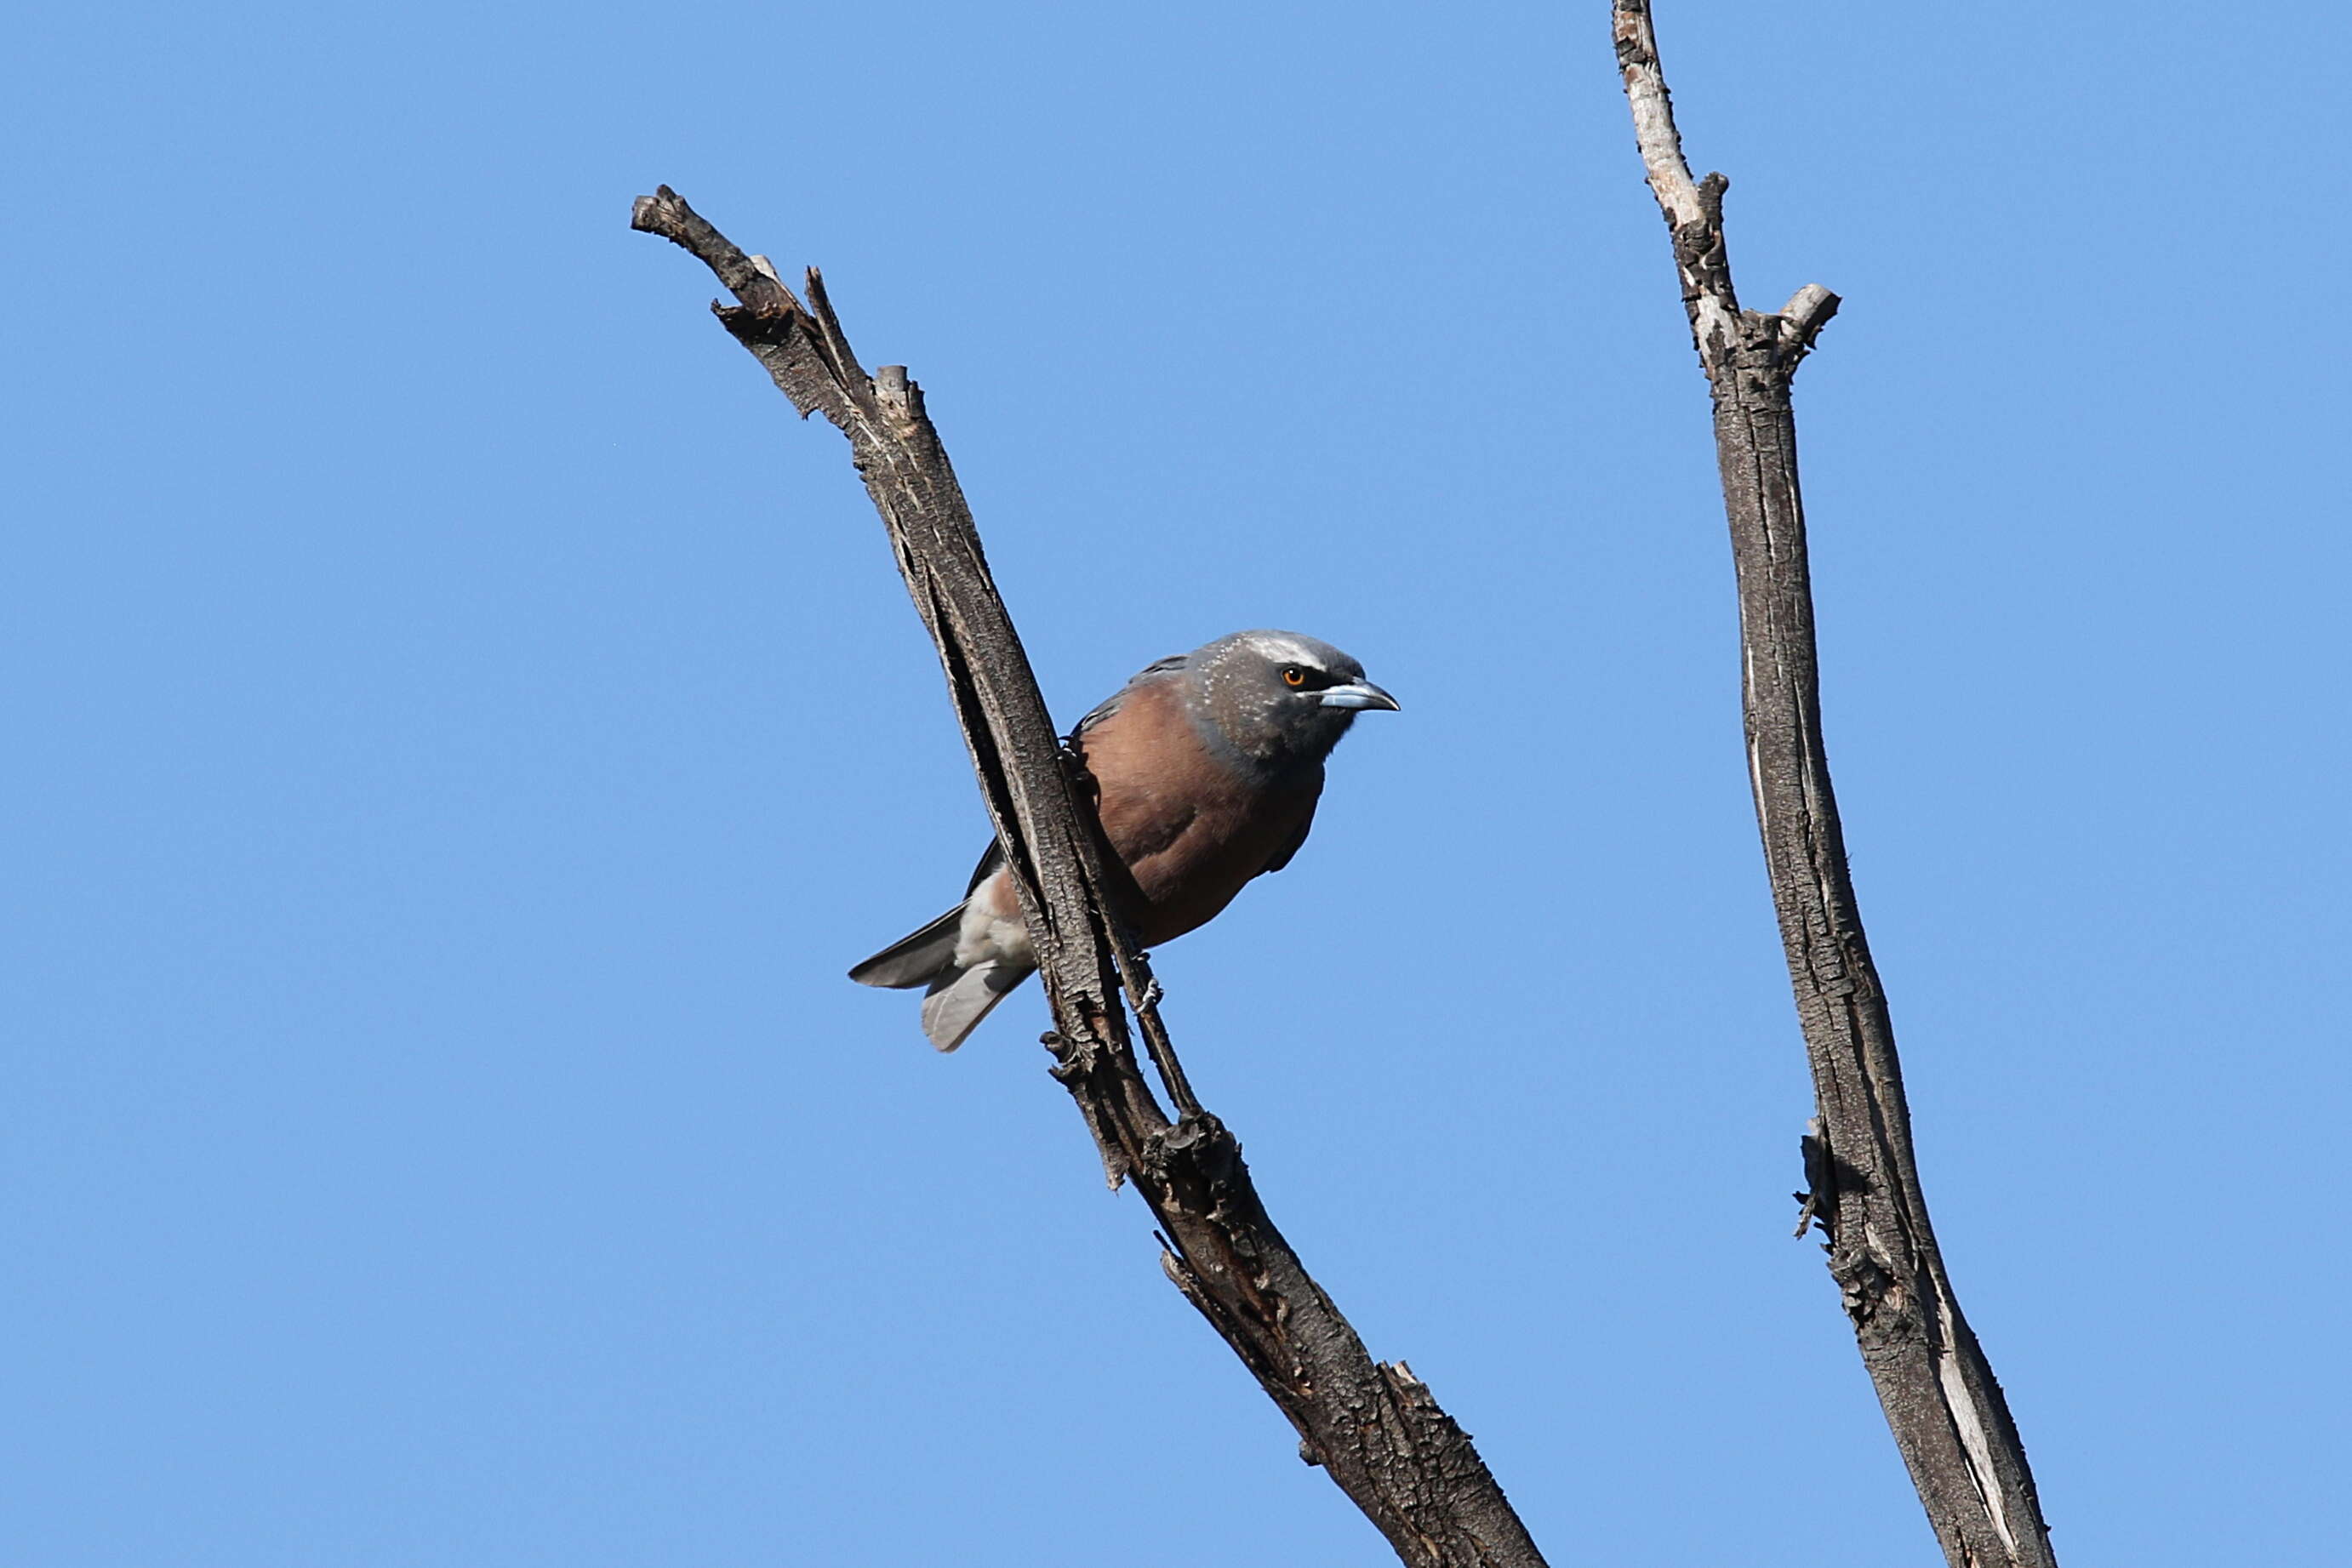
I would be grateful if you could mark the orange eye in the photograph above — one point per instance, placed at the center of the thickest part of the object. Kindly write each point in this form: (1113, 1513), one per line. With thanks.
(1294, 677)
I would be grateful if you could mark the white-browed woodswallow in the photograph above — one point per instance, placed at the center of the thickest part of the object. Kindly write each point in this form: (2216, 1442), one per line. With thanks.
(1208, 767)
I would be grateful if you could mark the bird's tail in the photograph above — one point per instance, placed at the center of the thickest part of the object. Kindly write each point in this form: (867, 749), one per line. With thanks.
(957, 997)
(914, 959)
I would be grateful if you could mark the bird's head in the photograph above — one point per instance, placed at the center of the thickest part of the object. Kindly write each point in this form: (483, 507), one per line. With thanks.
(1280, 696)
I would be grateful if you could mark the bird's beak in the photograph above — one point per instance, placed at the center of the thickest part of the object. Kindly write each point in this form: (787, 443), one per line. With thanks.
(1359, 695)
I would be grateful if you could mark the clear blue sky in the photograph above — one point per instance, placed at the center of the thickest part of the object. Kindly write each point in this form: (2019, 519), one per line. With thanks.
(464, 727)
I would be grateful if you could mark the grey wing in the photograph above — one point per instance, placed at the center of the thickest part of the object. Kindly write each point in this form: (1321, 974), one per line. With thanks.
(925, 954)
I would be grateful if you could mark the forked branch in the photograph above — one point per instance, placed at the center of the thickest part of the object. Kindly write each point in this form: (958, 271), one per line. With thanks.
(1941, 1399)
(1374, 1428)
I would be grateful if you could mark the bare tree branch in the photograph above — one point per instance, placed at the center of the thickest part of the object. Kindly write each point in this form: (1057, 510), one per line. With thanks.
(1374, 1428)
(1938, 1392)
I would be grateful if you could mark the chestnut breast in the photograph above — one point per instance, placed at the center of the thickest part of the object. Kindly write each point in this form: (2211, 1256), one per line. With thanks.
(1191, 826)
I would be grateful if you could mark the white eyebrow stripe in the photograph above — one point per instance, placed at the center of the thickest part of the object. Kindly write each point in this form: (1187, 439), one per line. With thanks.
(1290, 651)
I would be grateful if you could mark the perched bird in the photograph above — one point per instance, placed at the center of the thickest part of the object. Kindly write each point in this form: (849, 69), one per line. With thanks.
(1208, 767)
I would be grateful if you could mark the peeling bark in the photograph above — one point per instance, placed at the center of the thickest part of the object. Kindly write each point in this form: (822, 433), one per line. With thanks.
(1946, 1409)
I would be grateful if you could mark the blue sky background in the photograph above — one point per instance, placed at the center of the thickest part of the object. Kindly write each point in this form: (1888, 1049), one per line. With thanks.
(465, 727)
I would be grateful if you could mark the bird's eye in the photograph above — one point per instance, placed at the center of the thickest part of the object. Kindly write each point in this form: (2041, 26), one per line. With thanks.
(1293, 676)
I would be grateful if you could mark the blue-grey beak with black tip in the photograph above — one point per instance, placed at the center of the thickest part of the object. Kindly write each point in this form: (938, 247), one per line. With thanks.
(1359, 695)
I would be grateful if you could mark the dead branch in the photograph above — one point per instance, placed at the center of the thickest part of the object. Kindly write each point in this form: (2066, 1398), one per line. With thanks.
(1946, 1410)
(1374, 1428)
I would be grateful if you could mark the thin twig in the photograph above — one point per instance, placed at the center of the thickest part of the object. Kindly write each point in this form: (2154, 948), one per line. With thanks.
(1373, 1428)
(1946, 1409)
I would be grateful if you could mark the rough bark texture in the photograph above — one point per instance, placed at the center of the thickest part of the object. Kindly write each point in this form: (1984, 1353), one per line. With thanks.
(1374, 1428)
(1939, 1394)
